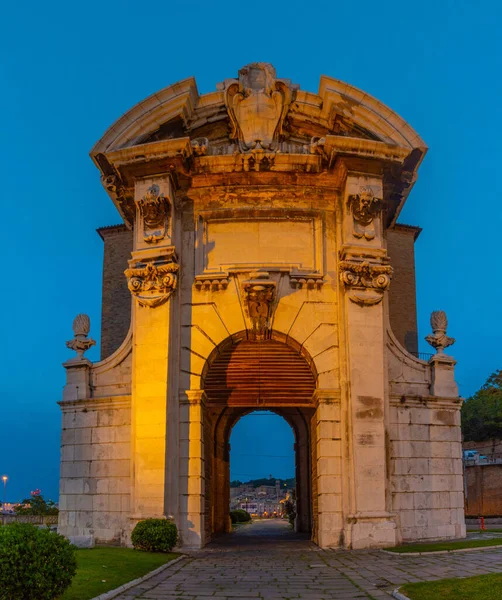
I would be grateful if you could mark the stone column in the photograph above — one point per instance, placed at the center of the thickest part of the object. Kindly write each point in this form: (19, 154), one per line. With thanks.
(329, 468)
(365, 272)
(192, 472)
(152, 278)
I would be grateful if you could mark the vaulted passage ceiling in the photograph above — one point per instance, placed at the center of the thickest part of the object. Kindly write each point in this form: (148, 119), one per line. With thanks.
(266, 373)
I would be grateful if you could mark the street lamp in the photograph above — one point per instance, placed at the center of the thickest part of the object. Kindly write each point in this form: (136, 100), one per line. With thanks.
(4, 479)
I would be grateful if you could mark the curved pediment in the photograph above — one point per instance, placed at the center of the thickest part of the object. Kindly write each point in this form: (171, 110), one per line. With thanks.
(258, 108)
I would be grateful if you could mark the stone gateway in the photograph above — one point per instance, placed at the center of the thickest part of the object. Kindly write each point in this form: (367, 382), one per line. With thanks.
(264, 269)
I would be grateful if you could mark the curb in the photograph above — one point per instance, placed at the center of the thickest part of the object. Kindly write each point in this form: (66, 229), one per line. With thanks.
(398, 596)
(126, 586)
(454, 551)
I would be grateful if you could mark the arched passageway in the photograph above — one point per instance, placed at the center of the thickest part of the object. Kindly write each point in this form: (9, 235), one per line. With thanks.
(240, 377)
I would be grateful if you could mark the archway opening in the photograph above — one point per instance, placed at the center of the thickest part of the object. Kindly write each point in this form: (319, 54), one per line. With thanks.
(244, 377)
(263, 472)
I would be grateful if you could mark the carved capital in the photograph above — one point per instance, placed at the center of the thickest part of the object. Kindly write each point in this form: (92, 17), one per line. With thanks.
(257, 105)
(364, 207)
(152, 282)
(365, 282)
(259, 301)
(154, 209)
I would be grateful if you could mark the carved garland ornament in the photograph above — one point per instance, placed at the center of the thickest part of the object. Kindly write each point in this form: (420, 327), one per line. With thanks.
(364, 208)
(154, 208)
(152, 284)
(365, 282)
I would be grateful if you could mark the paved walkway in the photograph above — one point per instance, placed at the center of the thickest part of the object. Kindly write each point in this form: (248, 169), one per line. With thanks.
(265, 560)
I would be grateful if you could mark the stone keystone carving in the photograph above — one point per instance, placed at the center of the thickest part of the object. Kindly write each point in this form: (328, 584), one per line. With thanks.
(364, 208)
(438, 339)
(152, 283)
(257, 105)
(365, 282)
(154, 209)
(81, 342)
(260, 296)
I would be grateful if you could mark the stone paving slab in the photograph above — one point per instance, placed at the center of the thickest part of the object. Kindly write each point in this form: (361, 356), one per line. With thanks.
(268, 562)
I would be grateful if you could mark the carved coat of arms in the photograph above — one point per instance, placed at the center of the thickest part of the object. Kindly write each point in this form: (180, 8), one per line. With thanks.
(257, 105)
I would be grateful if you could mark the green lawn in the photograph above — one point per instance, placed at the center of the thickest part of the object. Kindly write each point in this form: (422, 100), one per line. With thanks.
(491, 530)
(481, 587)
(102, 569)
(436, 546)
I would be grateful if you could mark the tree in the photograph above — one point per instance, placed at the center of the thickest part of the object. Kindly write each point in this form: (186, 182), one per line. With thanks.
(36, 505)
(482, 413)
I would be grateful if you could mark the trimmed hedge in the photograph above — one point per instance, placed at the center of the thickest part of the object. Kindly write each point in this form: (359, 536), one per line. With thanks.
(155, 535)
(35, 564)
(240, 516)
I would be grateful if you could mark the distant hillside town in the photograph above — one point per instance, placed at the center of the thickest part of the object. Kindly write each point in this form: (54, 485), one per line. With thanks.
(262, 497)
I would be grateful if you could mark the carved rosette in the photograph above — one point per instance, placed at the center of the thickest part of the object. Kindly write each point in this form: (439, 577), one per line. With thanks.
(365, 282)
(364, 207)
(154, 208)
(257, 105)
(152, 283)
(260, 296)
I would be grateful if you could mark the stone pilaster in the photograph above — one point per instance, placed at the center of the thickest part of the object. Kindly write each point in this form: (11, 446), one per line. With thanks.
(192, 480)
(152, 278)
(365, 274)
(328, 456)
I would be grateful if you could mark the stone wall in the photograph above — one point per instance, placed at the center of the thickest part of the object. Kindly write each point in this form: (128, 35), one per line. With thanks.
(484, 490)
(94, 496)
(402, 292)
(426, 468)
(116, 298)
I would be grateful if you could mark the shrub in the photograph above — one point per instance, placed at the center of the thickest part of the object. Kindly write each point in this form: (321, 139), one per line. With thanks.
(35, 564)
(240, 516)
(155, 535)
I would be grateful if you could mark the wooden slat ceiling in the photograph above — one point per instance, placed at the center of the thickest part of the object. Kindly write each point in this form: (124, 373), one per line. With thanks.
(259, 373)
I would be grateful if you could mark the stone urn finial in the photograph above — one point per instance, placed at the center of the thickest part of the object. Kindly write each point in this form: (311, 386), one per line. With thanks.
(438, 339)
(80, 342)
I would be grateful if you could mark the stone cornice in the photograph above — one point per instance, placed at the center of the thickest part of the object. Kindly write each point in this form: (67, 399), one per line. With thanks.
(93, 403)
(408, 401)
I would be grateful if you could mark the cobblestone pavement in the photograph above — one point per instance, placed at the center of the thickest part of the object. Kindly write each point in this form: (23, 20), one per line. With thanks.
(266, 560)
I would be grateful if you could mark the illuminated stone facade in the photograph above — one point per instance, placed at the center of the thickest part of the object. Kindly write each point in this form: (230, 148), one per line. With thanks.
(263, 222)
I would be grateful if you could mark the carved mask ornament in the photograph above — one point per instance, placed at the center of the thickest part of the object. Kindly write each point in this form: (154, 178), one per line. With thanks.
(364, 207)
(154, 209)
(257, 105)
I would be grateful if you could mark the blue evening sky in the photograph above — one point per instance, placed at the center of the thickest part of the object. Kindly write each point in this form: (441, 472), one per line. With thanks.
(69, 70)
